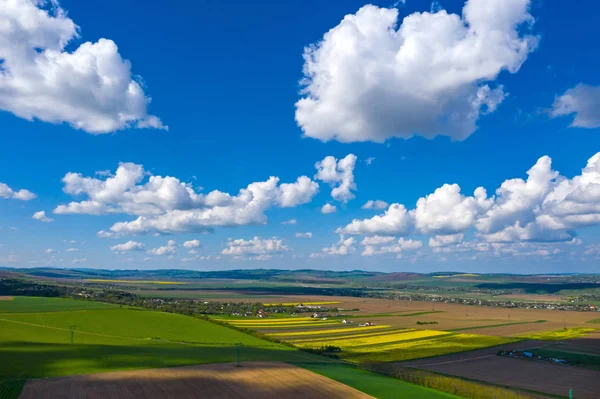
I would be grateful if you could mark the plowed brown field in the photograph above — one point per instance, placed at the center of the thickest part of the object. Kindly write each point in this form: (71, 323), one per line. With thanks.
(265, 380)
(6, 298)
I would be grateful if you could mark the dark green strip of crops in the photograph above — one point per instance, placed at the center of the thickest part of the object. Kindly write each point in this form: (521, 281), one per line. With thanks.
(497, 325)
(11, 389)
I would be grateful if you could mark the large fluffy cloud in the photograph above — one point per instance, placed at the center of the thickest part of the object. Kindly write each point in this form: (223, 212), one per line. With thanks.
(167, 205)
(22, 194)
(91, 88)
(583, 101)
(545, 207)
(371, 78)
(395, 221)
(339, 175)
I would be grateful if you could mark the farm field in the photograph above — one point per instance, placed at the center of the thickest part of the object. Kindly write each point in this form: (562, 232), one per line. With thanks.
(526, 374)
(24, 304)
(38, 344)
(254, 379)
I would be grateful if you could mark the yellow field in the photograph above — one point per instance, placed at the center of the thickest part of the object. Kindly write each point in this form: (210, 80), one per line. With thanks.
(337, 336)
(559, 334)
(417, 349)
(99, 280)
(355, 342)
(331, 331)
(271, 321)
(302, 303)
(307, 326)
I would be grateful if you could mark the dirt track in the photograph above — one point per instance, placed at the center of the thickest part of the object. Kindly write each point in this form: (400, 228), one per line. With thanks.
(268, 380)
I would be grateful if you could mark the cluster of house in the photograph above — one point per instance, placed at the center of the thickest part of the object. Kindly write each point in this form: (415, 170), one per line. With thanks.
(531, 355)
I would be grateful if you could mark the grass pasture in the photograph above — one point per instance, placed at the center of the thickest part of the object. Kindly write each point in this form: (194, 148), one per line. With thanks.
(27, 304)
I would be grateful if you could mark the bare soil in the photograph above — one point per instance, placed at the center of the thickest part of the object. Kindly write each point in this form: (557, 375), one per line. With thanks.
(264, 380)
(526, 374)
(6, 298)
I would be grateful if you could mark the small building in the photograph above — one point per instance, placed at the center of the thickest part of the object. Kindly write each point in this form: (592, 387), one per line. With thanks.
(261, 313)
(344, 321)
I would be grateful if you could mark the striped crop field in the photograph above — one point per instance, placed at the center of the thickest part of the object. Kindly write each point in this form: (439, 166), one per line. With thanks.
(417, 349)
(325, 338)
(302, 303)
(377, 341)
(299, 326)
(330, 331)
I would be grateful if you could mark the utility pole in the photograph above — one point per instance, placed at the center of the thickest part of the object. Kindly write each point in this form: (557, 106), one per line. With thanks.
(508, 317)
(467, 312)
(237, 355)
(72, 329)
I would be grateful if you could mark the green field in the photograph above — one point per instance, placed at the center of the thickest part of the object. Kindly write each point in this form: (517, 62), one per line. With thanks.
(38, 344)
(24, 304)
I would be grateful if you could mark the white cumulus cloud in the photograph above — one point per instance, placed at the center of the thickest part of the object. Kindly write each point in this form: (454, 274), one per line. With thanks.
(91, 87)
(372, 77)
(192, 244)
(256, 246)
(339, 175)
(167, 205)
(328, 208)
(304, 235)
(377, 204)
(128, 246)
(22, 194)
(169, 249)
(41, 216)
(545, 207)
(583, 101)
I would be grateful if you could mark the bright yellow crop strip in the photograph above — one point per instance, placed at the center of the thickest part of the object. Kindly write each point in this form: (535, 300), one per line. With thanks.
(351, 342)
(331, 331)
(308, 323)
(267, 321)
(311, 326)
(323, 340)
(299, 303)
(457, 341)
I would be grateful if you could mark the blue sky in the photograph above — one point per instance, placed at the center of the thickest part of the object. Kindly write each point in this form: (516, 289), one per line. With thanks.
(443, 97)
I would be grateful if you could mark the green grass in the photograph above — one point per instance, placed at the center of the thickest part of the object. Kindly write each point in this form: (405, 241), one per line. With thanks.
(24, 304)
(594, 321)
(11, 389)
(376, 385)
(38, 344)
